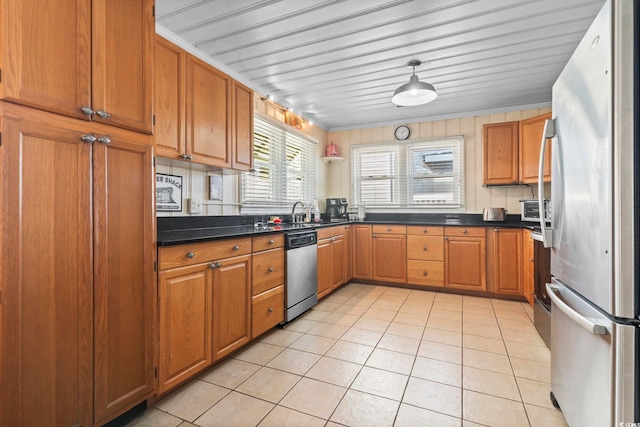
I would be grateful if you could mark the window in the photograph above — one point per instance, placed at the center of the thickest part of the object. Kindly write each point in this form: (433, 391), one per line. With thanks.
(284, 164)
(424, 174)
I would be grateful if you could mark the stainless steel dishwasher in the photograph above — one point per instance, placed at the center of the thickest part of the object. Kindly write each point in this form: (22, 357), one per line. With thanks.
(301, 279)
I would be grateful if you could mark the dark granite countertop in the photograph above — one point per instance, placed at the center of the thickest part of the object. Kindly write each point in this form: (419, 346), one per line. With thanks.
(181, 230)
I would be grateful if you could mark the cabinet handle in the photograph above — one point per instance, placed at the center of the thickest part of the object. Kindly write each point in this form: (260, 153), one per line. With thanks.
(215, 265)
(89, 138)
(270, 309)
(531, 260)
(183, 156)
(424, 273)
(347, 227)
(496, 230)
(103, 114)
(388, 228)
(271, 242)
(87, 111)
(373, 235)
(104, 140)
(424, 248)
(236, 248)
(333, 239)
(189, 157)
(425, 231)
(270, 269)
(464, 231)
(446, 238)
(190, 255)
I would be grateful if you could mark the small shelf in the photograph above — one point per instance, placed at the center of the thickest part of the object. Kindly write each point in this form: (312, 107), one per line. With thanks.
(332, 159)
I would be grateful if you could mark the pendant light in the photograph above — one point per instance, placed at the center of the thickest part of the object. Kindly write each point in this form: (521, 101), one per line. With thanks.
(415, 92)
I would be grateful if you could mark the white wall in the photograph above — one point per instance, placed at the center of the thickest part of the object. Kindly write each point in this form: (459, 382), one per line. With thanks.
(477, 196)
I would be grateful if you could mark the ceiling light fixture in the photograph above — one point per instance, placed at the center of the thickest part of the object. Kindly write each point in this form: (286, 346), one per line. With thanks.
(415, 92)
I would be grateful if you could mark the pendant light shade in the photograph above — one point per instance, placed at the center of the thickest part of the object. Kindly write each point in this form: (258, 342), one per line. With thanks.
(415, 92)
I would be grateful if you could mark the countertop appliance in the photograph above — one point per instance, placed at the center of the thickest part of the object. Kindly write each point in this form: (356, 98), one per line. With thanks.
(531, 210)
(337, 209)
(494, 214)
(301, 275)
(594, 238)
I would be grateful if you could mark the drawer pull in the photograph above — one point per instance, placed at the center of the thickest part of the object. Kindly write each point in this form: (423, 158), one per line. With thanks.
(271, 242)
(424, 248)
(531, 260)
(270, 270)
(333, 239)
(236, 248)
(388, 228)
(424, 273)
(270, 309)
(191, 255)
(215, 265)
(425, 231)
(446, 238)
(464, 231)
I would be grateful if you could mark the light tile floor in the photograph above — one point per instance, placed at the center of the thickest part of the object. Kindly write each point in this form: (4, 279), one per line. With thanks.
(379, 356)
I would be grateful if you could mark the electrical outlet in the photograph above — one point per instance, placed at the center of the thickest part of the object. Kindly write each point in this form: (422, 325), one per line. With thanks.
(195, 206)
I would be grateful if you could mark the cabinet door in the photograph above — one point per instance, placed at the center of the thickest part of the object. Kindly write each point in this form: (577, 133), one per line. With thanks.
(185, 297)
(505, 266)
(362, 252)
(124, 280)
(169, 103)
(46, 54)
(530, 133)
(337, 261)
(348, 253)
(46, 334)
(208, 107)
(242, 127)
(500, 153)
(231, 305)
(465, 263)
(122, 68)
(325, 259)
(390, 258)
(528, 266)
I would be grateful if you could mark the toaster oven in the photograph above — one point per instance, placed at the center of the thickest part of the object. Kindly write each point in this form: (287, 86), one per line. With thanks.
(531, 210)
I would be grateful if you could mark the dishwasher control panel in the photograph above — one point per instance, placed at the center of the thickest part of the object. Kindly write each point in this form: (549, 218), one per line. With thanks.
(298, 240)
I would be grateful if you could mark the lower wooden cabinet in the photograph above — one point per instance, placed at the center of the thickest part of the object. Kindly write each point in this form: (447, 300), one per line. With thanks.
(425, 253)
(185, 303)
(267, 289)
(389, 253)
(528, 266)
(504, 261)
(465, 258)
(324, 267)
(362, 263)
(348, 253)
(332, 259)
(267, 310)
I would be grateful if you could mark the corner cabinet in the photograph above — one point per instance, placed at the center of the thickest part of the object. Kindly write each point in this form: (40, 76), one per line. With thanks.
(504, 261)
(76, 270)
(202, 115)
(98, 68)
(465, 258)
(530, 131)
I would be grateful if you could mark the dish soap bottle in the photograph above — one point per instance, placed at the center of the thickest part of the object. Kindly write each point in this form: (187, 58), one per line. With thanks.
(316, 211)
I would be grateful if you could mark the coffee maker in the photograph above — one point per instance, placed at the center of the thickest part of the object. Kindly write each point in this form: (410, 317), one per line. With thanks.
(337, 209)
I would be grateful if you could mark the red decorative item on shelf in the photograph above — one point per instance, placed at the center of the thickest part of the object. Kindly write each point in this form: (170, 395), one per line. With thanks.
(332, 150)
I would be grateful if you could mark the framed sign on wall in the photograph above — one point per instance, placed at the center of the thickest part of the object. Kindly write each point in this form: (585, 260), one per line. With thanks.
(168, 193)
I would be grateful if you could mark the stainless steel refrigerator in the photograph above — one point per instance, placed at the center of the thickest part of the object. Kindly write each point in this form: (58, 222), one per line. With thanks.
(594, 224)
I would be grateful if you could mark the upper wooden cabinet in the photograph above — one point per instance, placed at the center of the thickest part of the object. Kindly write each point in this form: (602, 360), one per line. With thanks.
(511, 152)
(530, 131)
(83, 59)
(500, 153)
(202, 114)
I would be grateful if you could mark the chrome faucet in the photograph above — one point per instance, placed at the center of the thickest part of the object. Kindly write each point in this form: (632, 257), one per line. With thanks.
(293, 210)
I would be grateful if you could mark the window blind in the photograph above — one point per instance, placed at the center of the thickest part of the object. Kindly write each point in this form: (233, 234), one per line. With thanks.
(419, 175)
(284, 167)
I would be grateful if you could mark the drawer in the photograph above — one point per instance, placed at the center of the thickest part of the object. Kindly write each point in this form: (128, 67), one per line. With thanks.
(464, 232)
(427, 248)
(267, 270)
(196, 253)
(389, 229)
(267, 310)
(420, 230)
(326, 232)
(429, 273)
(268, 241)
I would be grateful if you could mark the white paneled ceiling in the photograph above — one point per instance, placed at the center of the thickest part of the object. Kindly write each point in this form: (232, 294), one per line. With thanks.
(338, 62)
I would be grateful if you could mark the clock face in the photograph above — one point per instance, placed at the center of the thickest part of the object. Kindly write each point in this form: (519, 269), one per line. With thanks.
(402, 133)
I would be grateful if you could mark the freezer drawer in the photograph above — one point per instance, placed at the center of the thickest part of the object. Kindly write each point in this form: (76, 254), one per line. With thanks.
(581, 359)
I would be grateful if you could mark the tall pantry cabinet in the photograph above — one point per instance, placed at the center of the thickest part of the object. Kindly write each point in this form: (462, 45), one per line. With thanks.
(77, 226)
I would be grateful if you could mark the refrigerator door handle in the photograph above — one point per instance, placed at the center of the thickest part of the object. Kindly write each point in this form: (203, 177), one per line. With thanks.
(582, 321)
(548, 132)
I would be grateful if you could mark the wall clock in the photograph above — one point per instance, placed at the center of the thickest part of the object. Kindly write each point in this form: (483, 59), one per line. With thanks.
(402, 132)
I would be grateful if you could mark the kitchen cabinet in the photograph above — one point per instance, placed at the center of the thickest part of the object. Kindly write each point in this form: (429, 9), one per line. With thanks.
(231, 305)
(98, 68)
(528, 266)
(267, 302)
(500, 153)
(78, 312)
(504, 266)
(348, 253)
(465, 258)
(425, 255)
(331, 259)
(389, 253)
(202, 114)
(530, 133)
(362, 251)
(185, 304)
